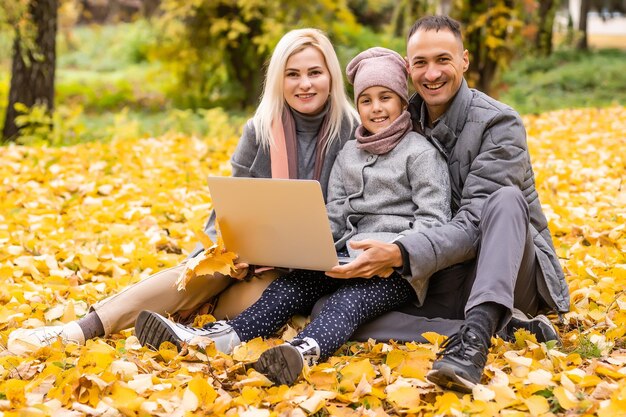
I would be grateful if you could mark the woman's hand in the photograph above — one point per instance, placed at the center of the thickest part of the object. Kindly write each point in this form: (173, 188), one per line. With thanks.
(240, 272)
(377, 259)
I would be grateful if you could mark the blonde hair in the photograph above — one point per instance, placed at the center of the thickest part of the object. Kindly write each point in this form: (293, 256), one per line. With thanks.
(273, 102)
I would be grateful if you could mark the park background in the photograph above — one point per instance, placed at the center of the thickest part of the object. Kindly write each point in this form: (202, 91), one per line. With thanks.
(102, 182)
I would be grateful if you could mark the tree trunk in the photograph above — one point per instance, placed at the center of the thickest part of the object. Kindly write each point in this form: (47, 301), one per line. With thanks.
(543, 41)
(32, 71)
(583, 43)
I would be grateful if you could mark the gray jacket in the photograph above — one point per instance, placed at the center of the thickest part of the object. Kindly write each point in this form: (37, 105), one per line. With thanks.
(380, 196)
(252, 160)
(484, 142)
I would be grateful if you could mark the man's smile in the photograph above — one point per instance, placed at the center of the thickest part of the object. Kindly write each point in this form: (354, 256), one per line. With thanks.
(434, 86)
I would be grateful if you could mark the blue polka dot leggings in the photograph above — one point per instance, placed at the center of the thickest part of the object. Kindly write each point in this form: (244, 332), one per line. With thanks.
(352, 303)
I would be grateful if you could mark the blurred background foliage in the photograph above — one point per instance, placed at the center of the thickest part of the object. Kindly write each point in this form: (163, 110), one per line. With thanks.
(143, 67)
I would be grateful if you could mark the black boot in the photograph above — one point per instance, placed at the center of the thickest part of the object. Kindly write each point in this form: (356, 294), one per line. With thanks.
(460, 364)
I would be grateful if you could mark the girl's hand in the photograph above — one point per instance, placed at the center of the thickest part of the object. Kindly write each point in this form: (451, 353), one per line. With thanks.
(240, 272)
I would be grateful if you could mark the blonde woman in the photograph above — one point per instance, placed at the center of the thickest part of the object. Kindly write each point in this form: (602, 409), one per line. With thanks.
(302, 122)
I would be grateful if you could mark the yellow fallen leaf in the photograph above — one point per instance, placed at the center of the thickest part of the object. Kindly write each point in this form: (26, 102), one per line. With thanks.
(505, 396)
(96, 355)
(168, 351)
(355, 370)
(316, 401)
(566, 399)
(323, 378)
(394, 358)
(408, 399)
(483, 393)
(434, 338)
(254, 379)
(14, 391)
(539, 377)
(125, 369)
(141, 383)
(214, 259)
(448, 403)
(609, 371)
(203, 391)
(362, 389)
(89, 261)
(537, 405)
(190, 401)
(69, 314)
(125, 399)
(249, 396)
(251, 350)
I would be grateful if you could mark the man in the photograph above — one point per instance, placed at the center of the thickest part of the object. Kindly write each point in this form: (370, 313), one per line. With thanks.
(496, 254)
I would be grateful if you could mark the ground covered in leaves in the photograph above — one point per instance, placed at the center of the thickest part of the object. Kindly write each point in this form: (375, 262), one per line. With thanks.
(79, 223)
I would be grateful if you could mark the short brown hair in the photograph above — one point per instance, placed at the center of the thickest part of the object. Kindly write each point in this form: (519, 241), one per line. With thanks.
(437, 23)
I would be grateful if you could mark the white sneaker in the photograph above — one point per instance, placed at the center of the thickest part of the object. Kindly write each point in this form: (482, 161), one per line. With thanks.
(152, 329)
(283, 364)
(29, 340)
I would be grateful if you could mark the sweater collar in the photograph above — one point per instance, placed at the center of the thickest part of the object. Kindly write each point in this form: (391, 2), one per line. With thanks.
(306, 123)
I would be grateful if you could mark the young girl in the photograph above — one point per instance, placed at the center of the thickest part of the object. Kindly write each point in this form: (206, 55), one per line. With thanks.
(388, 182)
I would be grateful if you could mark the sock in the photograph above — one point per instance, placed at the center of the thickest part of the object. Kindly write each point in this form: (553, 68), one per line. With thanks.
(73, 333)
(91, 326)
(483, 320)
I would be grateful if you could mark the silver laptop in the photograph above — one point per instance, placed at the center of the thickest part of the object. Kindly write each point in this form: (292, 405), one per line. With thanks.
(275, 222)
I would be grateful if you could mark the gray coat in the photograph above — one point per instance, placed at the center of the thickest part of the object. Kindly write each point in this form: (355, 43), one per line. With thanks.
(380, 196)
(484, 142)
(252, 160)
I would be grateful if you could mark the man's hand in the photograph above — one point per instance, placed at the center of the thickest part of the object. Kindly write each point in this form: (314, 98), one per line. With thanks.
(378, 259)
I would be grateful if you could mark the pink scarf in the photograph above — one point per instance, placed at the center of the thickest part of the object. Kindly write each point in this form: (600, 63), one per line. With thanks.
(284, 150)
(385, 140)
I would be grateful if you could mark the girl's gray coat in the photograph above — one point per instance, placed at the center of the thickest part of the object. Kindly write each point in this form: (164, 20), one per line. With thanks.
(385, 196)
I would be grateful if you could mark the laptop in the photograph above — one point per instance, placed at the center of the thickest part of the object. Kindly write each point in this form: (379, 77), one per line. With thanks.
(275, 222)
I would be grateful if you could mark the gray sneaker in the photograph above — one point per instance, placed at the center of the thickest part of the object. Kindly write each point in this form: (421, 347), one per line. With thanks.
(152, 329)
(540, 326)
(283, 364)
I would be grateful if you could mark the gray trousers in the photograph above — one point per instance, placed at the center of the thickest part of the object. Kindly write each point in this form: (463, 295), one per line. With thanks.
(505, 271)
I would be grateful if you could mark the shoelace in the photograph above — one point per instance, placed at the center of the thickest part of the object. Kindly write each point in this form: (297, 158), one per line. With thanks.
(463, 347)
(302, 344)
(216, 326)
(47, 336)
(455, 344)
(309, 351)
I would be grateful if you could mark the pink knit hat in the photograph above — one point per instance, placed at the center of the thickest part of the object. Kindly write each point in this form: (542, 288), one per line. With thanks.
(378, 67)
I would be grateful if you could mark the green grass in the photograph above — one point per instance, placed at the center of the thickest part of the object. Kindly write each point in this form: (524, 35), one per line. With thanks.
(567, 79)
(106, 48)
